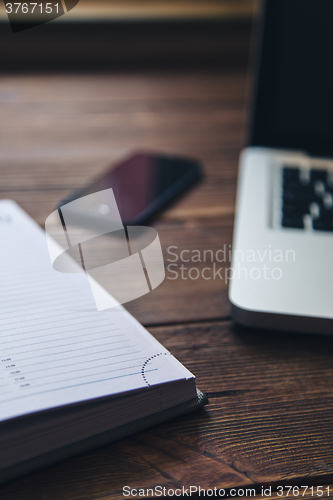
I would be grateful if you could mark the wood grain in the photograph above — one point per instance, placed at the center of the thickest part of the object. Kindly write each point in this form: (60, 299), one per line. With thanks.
(249, 360)
(103, 10)
(104, 44)
(269, 421)
(60, 132)
(199, 289)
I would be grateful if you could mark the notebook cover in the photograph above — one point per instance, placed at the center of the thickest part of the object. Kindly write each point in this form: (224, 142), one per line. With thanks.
(92, 442)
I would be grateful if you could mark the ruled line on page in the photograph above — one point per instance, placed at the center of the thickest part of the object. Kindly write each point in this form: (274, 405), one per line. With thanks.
(52, 334)
(73, 357)
(104, 372)
(73, 350)
(64, 345)
(89, 368)
(77, 385)
(39, 314)
(65, 302)
(82, 363)
(44, 297)
(37, 289)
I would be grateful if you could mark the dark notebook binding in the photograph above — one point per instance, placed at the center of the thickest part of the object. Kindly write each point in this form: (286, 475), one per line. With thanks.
(104, 438)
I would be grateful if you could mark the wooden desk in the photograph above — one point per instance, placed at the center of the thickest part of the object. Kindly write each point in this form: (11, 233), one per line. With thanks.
(270, 415)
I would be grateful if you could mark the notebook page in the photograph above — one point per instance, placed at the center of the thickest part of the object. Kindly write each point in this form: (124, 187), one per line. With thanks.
(55, 347)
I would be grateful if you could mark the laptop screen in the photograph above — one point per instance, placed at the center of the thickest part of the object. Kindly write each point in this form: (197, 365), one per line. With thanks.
(293, 93)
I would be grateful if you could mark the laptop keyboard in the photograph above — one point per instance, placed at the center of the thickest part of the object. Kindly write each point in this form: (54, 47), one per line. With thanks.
(307, 199)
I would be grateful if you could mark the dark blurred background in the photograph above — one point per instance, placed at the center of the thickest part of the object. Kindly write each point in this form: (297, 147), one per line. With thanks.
(88, 89)
(112, 34)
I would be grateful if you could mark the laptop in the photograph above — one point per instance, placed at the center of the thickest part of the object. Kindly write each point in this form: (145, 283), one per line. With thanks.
(282, 264)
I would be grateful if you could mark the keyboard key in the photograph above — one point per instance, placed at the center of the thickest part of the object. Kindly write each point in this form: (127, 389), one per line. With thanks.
(328, 201)
(290, 209)
(291, 174)
(315, 210)
(302, 196)
(323, 224)
(318, 175)
(293, 187)
(319, 188)
(309, 204)
(294, 221)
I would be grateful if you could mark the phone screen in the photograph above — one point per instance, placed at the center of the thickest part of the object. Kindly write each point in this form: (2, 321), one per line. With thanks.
(143, 183)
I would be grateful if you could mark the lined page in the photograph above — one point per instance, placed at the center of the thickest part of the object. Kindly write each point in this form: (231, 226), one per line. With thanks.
(55, 347)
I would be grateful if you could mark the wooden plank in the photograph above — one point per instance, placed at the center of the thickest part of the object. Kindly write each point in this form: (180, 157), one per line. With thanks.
(269, 422)
(193, 292)
(222, 446)
(63, 132)
(229, 357)
(59, 133)
(171, 10)
(149, 10)
(147, 44)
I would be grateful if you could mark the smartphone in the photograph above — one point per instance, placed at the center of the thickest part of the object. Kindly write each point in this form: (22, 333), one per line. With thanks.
(143, 183)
